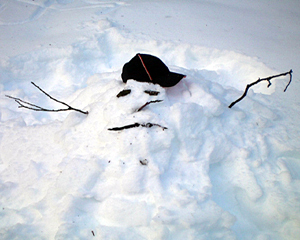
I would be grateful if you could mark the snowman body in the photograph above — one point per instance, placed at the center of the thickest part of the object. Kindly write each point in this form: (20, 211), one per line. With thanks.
(145, 181)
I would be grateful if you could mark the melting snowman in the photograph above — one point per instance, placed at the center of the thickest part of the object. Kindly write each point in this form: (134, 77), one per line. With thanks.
(146, 180)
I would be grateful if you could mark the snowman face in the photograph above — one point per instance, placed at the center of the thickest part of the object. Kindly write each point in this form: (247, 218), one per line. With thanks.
(133, 101)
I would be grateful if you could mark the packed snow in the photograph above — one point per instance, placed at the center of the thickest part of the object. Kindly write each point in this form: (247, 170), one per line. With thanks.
(202, 171)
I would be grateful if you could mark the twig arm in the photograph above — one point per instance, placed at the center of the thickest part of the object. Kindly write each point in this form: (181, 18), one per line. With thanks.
(268, 79)
(28, 105)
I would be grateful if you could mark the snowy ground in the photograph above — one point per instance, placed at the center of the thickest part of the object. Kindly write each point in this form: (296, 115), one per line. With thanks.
(214, 173)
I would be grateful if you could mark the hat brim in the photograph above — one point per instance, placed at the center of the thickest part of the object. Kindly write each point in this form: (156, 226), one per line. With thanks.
(171, 79)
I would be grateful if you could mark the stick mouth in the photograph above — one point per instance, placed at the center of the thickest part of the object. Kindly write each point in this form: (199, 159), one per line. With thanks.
(135, 125)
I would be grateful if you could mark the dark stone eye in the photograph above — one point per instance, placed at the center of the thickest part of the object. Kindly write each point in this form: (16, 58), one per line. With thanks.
(151, 93)
(124, 93)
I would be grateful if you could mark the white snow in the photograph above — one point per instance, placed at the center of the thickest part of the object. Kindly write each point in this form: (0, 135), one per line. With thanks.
(214, 173)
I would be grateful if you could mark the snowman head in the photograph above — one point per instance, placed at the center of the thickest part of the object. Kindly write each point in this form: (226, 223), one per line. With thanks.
(132, 103)
(145, 77)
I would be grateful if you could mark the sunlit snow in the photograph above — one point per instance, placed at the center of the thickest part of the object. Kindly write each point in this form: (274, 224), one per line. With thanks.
(213, 173)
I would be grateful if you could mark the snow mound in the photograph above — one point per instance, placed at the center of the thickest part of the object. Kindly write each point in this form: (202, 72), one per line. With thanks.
(150, 183)
(201, 171)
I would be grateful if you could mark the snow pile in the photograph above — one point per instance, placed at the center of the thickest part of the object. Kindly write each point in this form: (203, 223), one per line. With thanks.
(201, 171)
(210, 168)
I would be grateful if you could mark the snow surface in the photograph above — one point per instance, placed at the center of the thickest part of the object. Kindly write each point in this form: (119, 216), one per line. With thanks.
(214, 173)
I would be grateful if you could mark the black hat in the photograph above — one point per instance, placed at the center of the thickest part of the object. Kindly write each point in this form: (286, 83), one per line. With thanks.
(148, 68)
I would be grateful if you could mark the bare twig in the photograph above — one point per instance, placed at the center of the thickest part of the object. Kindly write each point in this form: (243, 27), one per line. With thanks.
(124, 127)
(149, 125)
(260, 80)
(28, 105)
(151, 92)
(144, 162)
(147, 103)
(134, 125)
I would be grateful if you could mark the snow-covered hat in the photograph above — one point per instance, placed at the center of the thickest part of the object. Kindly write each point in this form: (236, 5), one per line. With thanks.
(148, 68)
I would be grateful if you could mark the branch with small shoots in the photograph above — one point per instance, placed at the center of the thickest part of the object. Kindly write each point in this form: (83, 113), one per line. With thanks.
(30, 106)
(268, 79)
